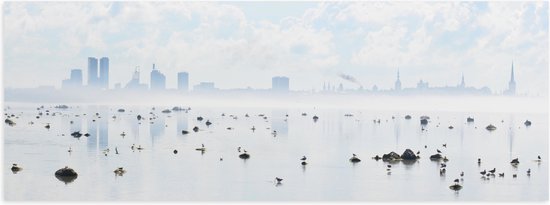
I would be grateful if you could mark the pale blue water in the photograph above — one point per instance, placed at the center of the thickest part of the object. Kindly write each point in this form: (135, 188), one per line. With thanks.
(155, 173)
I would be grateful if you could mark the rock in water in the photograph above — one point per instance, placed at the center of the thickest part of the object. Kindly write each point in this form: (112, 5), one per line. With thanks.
(455, 187)
(436, 157)
(244, 156)
(66, 172)
(66, 175)
(391, 156)
(470, 119)
(408, 155)
(184, 132)
(423, 121)
(491, 127)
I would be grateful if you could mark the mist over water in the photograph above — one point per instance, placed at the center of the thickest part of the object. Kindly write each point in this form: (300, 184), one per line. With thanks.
(156, 173)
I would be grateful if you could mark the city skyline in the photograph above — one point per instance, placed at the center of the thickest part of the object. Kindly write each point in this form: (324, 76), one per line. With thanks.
(309, 42)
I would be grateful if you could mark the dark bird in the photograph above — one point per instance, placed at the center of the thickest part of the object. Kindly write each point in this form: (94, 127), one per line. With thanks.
(425, 146)
(304, 163)
(445, 145)
(239, 149)
(278, 180)
(479, 160)
(483, 172)
(208, 123)
(303, 158)
(418, 152)
(493, 170)
(501, 174)
(438, 151)
(116, 150)
(461, 174)
(515, 161)
(443, 165)
(514, 175)
(354, 159)
(175, 151)
(15, 168)
(196, 129)
(456, 181)
(528, 172)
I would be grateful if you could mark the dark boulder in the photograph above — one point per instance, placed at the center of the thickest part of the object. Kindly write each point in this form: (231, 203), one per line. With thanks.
(436, 157)
(244, 156)
(470, 119)
(407, 117)
(391, 156)
(66, 172)
(408, 155)
(184, 132)
(423, 121)
(196, 129)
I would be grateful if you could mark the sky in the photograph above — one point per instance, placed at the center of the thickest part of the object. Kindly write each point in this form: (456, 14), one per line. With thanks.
(241, 44)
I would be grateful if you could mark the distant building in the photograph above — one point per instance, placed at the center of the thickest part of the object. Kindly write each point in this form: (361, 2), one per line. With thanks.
(104, 73)
(462, 83)
(204, 86)
(280, 84)
(397, 82)
(158, 80)
(134, 83)
(340, 88)
(75, 81)
(92, 72)
(512, 84)
(422, 85)
(183, 81)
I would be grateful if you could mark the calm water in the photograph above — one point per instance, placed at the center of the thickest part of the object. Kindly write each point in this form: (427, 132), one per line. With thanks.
(155, 173)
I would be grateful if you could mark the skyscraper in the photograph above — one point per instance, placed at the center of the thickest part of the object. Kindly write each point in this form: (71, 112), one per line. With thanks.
(104, 73)
(75, 81)
(462, 83)
(92, 72)
(280, 84)
(397, 82)
(183, 81)
(158, 80)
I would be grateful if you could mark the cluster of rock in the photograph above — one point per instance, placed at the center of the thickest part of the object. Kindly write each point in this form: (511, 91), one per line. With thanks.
(408, 154)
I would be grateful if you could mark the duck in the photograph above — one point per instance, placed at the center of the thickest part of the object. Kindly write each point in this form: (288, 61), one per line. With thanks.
(515, 161)
(354, 159)
(119, 171)
(304, 163)
(15, 168)
(315, 118)
(483, 172)
(455, 186)
(202, 149)
(208, 123)
(184, 132)
(501, 174)
(278, 180)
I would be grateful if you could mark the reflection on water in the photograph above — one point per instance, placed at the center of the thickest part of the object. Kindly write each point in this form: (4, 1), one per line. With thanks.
(157, 173)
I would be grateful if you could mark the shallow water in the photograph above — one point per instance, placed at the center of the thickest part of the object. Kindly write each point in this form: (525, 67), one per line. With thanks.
(155, 173)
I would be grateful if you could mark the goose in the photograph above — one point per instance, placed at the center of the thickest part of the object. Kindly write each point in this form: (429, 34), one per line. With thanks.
(389, 167)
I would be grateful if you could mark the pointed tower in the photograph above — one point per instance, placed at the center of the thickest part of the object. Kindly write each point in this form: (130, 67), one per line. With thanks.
(398, 82)
(462, 83)
(512, 83)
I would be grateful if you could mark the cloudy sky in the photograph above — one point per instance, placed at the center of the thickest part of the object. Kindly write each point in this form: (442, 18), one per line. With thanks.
(244, 44)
